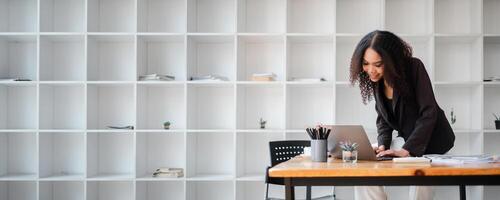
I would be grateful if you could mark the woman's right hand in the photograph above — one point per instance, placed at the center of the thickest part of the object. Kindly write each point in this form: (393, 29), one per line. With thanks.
(379, 149)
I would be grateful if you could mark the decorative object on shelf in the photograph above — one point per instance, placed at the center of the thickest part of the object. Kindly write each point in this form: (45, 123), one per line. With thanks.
(156, 77)
(263, 77)
(314, 80)
(13, 79)
(166, 125)
(492, 78)
(212, 77)
(453, 117)
(319, 143)
(121, 127)
(349, 151)
(262, 123)
(166, 172)
(497, 121)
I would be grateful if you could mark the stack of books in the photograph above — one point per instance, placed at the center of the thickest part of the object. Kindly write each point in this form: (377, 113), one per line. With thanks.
(263, 77)
(213, 77)
(156, 77)
(165, 172)
(308, 79)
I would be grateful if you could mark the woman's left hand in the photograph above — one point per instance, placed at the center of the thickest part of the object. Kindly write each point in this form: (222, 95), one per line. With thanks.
(394, 153)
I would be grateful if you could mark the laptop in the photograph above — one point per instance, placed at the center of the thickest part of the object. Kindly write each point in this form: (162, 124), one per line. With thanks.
(352, 133)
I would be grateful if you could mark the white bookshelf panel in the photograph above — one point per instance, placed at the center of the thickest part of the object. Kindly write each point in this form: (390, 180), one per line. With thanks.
(491, 56)
(110, 105)
(261, 16)
(211, 55)
(491, 192)
(162, 16)
(309, 106)
(111, 58)
(163, 55)
(62, 107)
(210, 107)
(491, 143)
(458, 59)
(216, 16)
(210, 190)
(18, 190)
(349, 19)
(351, 110)
(252, 153)
(111, 15)
(297, 135)
(210, 156)
(159, 150)
(313, 16)
(466, 104)
(18, 57)
(157, 104)
(18, 15)
(62, 155)
(18, 156)
(62, 16)
(491, 16)
(260, 101)
(250, 190)
(61, 190)
(409, 16)
(260, 54)
(110, 190)
(19, 107)
(344, 50)
(468, 143)
(156, 190)
(457, 17)
(110, 155)
(423, 49)
(491, 105)
(62, 58)
(310, 57)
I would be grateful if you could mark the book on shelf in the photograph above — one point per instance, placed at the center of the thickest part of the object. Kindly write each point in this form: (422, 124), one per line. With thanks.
(165, 172)
(298, 79)
(156, 77)
(13, 79)
(212, 77)
(263, 77)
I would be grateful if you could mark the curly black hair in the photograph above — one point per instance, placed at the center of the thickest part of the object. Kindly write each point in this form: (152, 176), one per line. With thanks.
(396, 55)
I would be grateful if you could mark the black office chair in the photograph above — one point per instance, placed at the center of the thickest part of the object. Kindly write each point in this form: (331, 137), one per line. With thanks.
(281, 151)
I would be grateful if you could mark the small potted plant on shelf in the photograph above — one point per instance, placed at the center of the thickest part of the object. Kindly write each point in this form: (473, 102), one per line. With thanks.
(262, 123)
(453, 117)
(497, 121)
(349, 151)
(166, 125)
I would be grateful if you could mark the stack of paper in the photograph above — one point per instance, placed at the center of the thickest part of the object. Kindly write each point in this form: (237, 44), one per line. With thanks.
(156, 77)
(308, 79)
(263, 77)
(462, 159)
(411, 160)
(213, 77)
(165, 172)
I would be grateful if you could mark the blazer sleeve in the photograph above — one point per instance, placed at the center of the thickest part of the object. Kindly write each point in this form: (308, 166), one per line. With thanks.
(384, 131)
(417, 143)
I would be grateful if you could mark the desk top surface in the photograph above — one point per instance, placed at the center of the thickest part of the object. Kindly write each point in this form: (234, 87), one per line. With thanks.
(302, 166)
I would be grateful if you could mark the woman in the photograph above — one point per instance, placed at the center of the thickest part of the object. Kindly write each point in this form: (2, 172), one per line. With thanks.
(383, 66)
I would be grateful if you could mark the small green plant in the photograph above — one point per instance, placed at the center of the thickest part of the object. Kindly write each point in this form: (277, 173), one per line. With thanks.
(453, 117)
(348, 146)
(497, 117)
(166, 125)
(262, 123)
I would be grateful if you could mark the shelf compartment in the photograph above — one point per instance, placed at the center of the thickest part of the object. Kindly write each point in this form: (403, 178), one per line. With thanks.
(210, 190)
(62, 190)
(457, 17)
(251, 190)
(160, 103)
(208, 55)
(351, 110)
(18, 57)
(110, 105)
(62, 58)
(491, 144)
(302, 135)
(309, 105)
(409, 16)
(260, 54)
(467, 144)
(491, 56)
(18, 15)
(110, 190)
(316, 16)
(210, 156)
(110, 155)
(260, 101)
(18, 190)
(491, 16)
(111, 58)
(252, 153)
(210, 107)
(422, 49)
(491, 192)
(18, 157)
(111, 16)
(352, 22)
(62, 107)
(62, 15)
(344, 50)
(261, 16)
(62, 155)
(216, 16)
(156, 150)
(155, 190)
(163, 55)
(466, 104)
(310, 57)
(162, 16)
(19, 107)
(458, 58)
(491, 105)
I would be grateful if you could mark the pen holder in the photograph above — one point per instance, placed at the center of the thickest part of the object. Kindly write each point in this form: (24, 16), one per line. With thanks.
(318, 150)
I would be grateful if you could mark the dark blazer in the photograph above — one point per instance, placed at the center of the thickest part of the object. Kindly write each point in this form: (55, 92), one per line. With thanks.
(420, 120)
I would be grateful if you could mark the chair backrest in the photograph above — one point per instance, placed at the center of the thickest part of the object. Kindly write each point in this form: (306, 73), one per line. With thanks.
(284, 150)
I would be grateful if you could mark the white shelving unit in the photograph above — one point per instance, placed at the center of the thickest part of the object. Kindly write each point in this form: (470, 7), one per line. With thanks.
(84, 59)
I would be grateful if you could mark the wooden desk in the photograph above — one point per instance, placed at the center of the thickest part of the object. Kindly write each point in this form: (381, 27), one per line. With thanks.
(301, 171)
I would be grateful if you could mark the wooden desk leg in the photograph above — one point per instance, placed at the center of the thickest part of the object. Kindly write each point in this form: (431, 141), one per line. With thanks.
(289, 189)
(463, 195)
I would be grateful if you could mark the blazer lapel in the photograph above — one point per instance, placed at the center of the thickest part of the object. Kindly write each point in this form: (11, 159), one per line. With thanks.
(380, 102)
